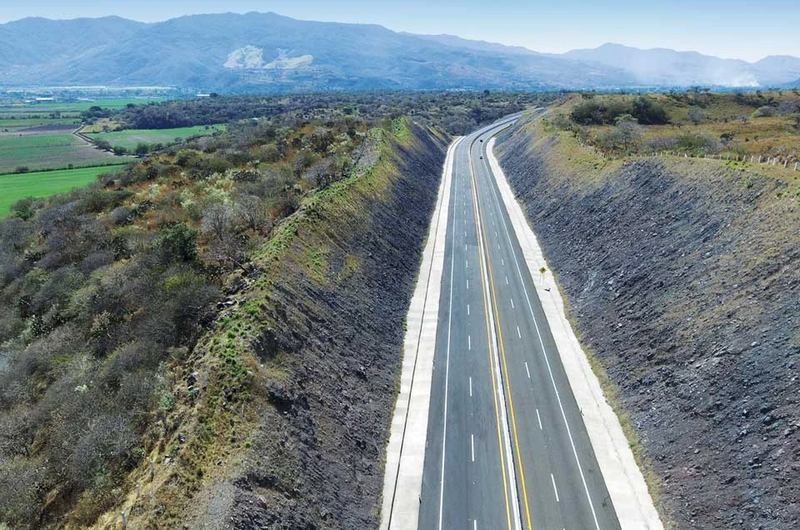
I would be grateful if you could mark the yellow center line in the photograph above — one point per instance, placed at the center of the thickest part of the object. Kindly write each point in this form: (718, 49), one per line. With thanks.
(505, 364)
(491, 363)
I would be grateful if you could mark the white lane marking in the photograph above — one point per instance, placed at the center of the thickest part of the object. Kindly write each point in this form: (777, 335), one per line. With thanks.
(546, 360)
(540, 420)
(447, 357)
(465, 246)
(467, 309)
(470, 386)
(526, 370)
(495, 234)
(474, 524)
(466, 262)
(502, 261)
(469, 341)
(512, 304)
(467, 284)
(472, 445)
(506, 280)
(555, 489)
(518, 333)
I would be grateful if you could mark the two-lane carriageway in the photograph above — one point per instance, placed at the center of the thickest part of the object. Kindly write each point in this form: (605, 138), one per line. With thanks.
(506, 445)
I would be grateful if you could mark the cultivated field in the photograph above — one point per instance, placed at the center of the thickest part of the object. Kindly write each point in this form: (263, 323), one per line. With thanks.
(47, 147)
(129, 139)
(45, 183)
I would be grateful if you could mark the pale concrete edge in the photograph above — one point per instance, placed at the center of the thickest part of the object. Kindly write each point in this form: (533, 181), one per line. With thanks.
(624, 480)
(413, 400)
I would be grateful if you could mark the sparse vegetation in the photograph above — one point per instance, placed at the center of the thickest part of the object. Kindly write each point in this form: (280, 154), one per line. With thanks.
(696, 123)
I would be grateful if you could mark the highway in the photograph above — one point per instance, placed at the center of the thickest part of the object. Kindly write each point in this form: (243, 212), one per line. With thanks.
(506, 443)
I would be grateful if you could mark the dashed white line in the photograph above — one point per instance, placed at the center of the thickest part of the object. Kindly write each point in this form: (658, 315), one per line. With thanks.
(466, 263)
(506, 280)
(467, 284)
(469, 341)
(526, 370)
(518, 333)
(512, 304)
(470, 386)
(555, 489)
(540, 420)
(472, 445)
(474, 524)
(502, 261)
(467, 309)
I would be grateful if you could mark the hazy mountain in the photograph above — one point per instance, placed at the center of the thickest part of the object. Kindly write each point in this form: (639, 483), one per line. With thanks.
(777, 69)
(268, 51)
(664, 67)
(265, 51)
(38, 43)
(477, 45)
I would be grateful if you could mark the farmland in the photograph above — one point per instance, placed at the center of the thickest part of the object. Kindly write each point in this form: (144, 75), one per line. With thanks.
(129, 139)
(45, 183)
(50, 147)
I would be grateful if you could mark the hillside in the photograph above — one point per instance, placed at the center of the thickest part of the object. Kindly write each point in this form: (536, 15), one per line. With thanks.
(269, 52)
(214, 334)
(681, 278)
(266, 52)
(664, 67)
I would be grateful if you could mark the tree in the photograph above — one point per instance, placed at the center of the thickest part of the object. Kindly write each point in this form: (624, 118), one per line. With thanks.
(142, 149)
(628, 131)
(648, 112)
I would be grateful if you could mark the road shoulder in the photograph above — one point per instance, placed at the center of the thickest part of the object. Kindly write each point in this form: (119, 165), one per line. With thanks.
(624, 480)
(405, 452)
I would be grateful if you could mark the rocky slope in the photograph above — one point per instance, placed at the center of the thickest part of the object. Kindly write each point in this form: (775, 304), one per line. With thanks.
(290, 396)
(683, 283)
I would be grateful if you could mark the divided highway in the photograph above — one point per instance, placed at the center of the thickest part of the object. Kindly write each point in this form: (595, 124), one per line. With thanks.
(506, 443)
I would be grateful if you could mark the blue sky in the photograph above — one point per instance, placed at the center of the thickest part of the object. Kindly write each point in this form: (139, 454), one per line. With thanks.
(741, 29)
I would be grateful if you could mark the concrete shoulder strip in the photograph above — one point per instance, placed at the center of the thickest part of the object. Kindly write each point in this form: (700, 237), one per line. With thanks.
(624, 480)
(405, 453)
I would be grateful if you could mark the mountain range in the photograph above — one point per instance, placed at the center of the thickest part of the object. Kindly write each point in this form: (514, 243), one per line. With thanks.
(269, 52)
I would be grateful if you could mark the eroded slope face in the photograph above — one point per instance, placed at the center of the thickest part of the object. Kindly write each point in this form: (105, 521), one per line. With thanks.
(681, 278)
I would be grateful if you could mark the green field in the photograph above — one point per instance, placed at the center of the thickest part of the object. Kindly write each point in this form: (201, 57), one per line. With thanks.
(45, 183)
(45, 151)
(8, 123)
(129, 139)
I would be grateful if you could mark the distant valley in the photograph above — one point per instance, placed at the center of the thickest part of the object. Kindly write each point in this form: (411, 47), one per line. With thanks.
(269, 52)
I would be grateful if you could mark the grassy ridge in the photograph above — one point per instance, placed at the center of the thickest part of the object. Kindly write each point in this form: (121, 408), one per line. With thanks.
(45, 183)
(729, 125)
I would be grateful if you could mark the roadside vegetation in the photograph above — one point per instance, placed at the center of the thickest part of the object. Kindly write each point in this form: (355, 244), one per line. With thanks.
(743, 127)
(105, 290)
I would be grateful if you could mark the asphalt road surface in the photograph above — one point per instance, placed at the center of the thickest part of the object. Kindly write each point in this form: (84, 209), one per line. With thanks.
(506, 444)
